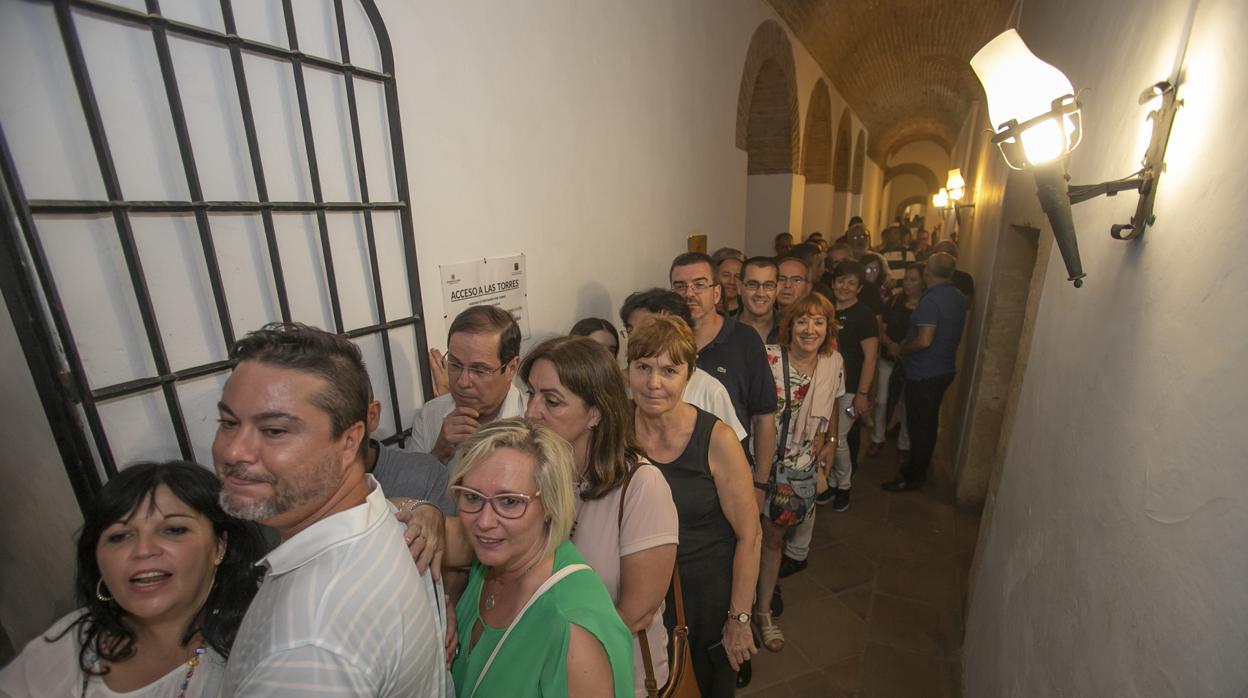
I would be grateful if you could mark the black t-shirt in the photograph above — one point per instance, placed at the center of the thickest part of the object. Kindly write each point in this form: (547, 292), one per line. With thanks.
(870, 295)
(737, 359)
(896, 320)
(857, 323)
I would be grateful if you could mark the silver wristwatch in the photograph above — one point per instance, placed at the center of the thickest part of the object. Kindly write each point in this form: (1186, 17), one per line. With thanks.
(741, 618)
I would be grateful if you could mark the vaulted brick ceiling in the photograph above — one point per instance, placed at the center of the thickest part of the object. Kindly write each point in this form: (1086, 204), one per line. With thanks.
(903, 65)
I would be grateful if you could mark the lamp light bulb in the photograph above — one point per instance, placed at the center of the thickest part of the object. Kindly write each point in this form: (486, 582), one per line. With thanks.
(956, 194)
(941, 199)
(1043, 142)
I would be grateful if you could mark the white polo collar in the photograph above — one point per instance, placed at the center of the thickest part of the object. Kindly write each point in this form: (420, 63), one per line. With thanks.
(331, 531)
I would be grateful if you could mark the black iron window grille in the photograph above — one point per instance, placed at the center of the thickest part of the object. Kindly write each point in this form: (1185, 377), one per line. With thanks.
(72, 395)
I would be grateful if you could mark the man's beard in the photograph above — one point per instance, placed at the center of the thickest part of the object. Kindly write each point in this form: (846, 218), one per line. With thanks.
(288, 493)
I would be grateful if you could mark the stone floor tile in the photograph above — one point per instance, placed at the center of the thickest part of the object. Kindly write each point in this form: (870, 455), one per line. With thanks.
(934, 581)
(858, 600)
(910, 625)
(888, 672)
(772, 668)
(840, 567)
(824, 631)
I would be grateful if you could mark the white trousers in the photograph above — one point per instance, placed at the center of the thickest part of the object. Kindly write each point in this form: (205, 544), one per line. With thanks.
(798, 545)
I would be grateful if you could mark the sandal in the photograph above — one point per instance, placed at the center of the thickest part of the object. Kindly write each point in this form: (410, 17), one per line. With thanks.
(773, 636)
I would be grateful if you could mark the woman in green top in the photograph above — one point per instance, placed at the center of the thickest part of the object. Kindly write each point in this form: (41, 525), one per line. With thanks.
(534, 620)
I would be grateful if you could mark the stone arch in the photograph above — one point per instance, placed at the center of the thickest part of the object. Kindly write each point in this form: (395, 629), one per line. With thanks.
(817, 140)
(767, 115)
(901, 205)
(913, 168)
(860, 160)
(841, 159)
(900, 143)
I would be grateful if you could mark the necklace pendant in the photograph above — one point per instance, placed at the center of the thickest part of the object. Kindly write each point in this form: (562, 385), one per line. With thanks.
(489, 602)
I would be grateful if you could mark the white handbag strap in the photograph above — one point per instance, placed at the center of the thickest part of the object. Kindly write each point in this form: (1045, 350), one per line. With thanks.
(546, 585)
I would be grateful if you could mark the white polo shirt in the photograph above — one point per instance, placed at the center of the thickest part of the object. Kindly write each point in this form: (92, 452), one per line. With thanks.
(704, 391)
(427, 423)
(342, 611)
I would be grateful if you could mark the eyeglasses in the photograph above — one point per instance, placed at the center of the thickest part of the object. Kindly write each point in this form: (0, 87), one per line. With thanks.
(454, 368)
(509, 505)
(698, 286)
(765, 285)
(791, 280)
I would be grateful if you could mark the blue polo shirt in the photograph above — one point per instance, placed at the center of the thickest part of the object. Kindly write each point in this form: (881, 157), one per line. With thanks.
(943, 307)
(737, 359)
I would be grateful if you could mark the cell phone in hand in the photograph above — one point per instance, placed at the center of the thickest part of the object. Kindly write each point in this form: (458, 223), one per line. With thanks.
(851, 411)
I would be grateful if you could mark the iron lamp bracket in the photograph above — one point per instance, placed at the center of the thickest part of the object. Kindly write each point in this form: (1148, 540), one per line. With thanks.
(1145, 179)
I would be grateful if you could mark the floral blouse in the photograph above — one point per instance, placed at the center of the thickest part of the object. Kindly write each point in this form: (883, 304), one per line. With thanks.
(797, 456)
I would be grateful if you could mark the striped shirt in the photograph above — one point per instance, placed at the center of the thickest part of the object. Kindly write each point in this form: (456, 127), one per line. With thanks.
(342, 611)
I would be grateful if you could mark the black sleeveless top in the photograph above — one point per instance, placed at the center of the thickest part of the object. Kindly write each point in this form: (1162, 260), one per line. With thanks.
(704, 531)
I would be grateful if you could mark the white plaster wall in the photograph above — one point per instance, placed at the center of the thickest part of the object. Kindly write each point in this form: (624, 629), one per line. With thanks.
(769, 198)
(592, 137)
(38, 513)
(1115, 559)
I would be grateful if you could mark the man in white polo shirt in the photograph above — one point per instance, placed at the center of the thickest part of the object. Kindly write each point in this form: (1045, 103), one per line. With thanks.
(482, 354)
(342, 609)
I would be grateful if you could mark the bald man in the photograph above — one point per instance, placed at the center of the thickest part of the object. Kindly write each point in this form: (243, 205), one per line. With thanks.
(930, 352)
(961, 280)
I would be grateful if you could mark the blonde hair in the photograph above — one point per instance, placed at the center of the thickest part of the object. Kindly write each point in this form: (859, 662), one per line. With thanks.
(663, 333)
(552, 471)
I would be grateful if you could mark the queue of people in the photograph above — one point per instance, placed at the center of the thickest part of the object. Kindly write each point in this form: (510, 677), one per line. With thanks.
(555, 523)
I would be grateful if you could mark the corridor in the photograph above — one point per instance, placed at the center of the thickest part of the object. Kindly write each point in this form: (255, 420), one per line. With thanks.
(879, 609)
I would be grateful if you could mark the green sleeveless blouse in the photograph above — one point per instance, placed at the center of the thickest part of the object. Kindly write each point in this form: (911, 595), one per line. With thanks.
(533, 661)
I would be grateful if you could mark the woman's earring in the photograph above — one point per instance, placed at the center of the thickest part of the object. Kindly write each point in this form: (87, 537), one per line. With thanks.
(99, 591)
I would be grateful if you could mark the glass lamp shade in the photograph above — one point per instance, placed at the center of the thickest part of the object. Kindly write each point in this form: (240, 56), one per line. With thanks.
(1019, 85)
(955, 185)
(1031, 103)
(941, 199)
(954, 180)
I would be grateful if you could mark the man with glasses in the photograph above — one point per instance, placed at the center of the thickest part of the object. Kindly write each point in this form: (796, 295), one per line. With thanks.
(792, 282)
(733, 354)
(483, 352)
(758, 298)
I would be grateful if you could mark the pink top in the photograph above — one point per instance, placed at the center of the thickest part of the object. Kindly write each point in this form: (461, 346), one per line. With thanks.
(649, 521)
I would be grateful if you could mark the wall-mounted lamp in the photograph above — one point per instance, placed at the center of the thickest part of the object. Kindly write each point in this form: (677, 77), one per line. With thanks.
(941, 198)
(1037, 114)
(955, 185)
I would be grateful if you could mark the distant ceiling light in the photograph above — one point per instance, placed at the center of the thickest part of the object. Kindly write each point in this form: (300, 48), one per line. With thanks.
(1037, 116)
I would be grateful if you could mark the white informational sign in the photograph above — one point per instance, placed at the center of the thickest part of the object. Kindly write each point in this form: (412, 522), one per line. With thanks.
(498, 281)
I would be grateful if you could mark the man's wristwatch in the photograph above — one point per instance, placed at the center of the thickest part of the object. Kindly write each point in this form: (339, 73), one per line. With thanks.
(742, 618)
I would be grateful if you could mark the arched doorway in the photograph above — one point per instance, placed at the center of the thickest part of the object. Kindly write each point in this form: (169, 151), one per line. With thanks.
(767, 129)
(841, 170)
(817, 162)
